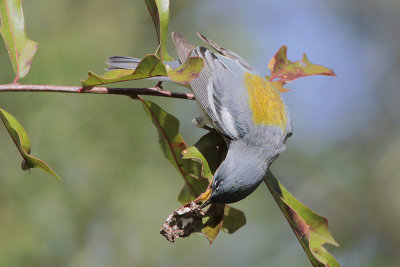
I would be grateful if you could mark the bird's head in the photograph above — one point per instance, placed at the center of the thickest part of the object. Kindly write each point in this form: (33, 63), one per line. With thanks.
(237, 177)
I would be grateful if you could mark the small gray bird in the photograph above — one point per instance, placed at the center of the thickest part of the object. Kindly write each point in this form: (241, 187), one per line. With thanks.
(242, 106)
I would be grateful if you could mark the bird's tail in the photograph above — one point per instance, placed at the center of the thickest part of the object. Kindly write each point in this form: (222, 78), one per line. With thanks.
(130, 63)
(183, 47)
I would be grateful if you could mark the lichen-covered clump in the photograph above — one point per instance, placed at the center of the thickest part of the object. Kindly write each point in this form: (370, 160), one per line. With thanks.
(182, 222)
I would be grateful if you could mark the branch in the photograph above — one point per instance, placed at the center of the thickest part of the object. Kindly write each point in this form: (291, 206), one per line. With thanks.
(132, 92)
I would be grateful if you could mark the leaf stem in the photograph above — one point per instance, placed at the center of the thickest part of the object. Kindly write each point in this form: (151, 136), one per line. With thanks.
(132, 92)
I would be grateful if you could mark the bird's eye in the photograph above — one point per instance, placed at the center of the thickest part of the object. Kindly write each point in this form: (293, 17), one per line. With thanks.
(217, 184)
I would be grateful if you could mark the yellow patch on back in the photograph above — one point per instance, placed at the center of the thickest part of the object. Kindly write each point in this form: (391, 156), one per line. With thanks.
(265, 102)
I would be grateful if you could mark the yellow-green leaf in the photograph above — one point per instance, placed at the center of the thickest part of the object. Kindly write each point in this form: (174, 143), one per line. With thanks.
(20, 48)
(150, 66)
(194, 154)
(212, 221)
(187, 72)
(22, 142)
(216, 214)
(234, 219)
(310, 228)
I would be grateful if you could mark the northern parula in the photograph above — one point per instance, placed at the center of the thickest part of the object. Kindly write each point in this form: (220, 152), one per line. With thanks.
(242, 106)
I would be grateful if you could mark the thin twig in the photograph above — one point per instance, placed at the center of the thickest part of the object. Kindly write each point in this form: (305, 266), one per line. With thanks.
(132, 92)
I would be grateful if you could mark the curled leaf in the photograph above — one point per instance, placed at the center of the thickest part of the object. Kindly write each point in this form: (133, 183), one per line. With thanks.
(193, 153)
(20, 48)
(286, 71)
(22, 142)
(159, 11)
(310, 228)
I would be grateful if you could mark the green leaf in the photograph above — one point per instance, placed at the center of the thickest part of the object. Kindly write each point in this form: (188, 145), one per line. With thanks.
(22, 142)
(193, 154)
(310, 228)
(212, 221)
(159, 11)
(187, 72)
(172, 146)
(286, 71)
(213, 148)
(234, 219)
(150, 66)
(20, 48)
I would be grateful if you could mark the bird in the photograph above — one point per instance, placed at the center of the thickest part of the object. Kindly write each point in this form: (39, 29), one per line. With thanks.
(241, 105)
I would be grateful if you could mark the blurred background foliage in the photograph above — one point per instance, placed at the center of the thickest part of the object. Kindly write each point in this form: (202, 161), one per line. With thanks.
(117, 188)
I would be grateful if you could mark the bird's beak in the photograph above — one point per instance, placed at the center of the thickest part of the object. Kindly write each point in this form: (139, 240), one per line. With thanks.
(208, 202)
(205, 198)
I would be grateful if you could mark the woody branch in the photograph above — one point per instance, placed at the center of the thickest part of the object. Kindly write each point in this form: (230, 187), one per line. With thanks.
(132, 92)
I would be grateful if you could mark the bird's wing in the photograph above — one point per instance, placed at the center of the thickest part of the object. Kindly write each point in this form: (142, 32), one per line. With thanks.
(228, 53)
(220, 91)
(219, 88)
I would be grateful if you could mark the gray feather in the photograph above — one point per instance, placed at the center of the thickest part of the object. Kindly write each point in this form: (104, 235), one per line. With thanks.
(130, 63)
(219, 90)
(226, 52)
(183, 46)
